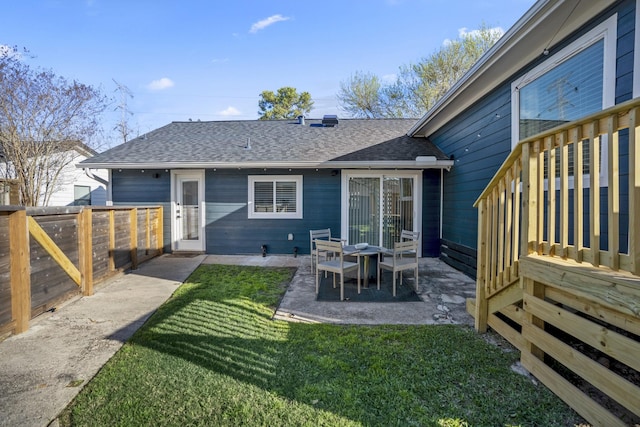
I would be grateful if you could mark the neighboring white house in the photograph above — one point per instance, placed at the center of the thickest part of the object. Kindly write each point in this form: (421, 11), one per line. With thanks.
(73, 186)
(79, 186)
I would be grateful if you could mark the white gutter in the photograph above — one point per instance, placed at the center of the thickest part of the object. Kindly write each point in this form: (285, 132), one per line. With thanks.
(420, 163)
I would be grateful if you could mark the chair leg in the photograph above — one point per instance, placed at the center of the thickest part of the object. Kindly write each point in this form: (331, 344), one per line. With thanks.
(394, 283)
(334, 279)
(317, 283)
(416, 279)
(341, 286)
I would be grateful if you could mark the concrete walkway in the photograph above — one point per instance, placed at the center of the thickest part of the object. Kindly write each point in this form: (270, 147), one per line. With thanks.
(43, 369)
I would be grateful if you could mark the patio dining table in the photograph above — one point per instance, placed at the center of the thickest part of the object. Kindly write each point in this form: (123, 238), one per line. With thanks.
(366, 253)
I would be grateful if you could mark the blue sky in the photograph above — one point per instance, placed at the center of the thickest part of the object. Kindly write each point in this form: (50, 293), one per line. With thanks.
(209, 60)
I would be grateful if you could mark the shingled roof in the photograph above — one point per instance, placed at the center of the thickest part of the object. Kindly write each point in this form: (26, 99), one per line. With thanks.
(275, 143)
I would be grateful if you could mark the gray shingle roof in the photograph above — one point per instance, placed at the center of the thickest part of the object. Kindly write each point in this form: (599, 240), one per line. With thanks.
(220, 143)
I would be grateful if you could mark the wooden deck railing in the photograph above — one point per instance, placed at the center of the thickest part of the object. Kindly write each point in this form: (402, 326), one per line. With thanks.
(50, 254)
(559, 245)
(529, 207)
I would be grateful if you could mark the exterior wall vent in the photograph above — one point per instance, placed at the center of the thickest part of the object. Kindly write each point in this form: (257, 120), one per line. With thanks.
(330, 120)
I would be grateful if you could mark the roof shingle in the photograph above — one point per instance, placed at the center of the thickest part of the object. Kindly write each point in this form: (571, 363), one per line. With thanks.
(280, 141)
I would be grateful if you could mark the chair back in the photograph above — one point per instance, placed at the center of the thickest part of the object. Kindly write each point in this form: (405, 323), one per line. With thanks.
(323, 234)
(329, 246)
(408, 249)
(409, 235)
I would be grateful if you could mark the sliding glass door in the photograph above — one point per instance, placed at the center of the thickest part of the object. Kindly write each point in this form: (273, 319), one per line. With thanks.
(379, 206)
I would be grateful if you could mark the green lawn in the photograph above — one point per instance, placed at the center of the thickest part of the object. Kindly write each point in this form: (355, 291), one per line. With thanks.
(212, 356)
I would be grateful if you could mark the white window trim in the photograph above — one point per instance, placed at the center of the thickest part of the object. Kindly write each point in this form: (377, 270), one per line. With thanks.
(417, 202)
(275, 215)
(606, 31)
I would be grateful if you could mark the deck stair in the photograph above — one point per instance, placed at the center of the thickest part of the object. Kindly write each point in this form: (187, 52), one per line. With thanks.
(558, 272)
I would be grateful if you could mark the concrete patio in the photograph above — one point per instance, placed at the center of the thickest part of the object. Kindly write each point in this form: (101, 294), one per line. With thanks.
(443, 291)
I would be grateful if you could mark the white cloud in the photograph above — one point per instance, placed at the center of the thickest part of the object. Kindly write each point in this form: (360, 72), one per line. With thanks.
(261, 25)
(161, 84)
(464, 32)
(388, 79)
(230, 111)
(219, 60)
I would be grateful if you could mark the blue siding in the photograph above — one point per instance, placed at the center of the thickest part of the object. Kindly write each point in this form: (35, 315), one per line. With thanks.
(229, 231)
(151, 187)
(479, 139)
(431, 213)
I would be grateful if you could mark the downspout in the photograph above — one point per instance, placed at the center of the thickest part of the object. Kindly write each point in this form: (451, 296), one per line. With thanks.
(90, 174)
(441, 199)
(106, 183)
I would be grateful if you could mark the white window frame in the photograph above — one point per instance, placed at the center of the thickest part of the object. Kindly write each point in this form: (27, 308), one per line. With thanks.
(274, 215)
(356, 173)
(606, 31)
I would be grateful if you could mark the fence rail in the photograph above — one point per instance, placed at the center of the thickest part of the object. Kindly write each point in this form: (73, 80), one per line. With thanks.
(559, 254)
(50, 254)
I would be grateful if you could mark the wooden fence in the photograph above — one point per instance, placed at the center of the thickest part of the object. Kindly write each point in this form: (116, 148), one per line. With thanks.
(48, 255)
(559, 261)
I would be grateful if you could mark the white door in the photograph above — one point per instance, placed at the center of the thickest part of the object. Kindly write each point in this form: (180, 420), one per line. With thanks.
(188, 211)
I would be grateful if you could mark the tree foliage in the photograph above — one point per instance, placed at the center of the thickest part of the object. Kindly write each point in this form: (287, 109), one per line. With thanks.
(286, 103)
(360, 96)
(42, 118)
(418, 86)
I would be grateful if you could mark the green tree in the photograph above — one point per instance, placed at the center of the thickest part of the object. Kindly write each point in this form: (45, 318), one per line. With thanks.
(287, 103)
(418, 86)
(360, 96)
(42, 118)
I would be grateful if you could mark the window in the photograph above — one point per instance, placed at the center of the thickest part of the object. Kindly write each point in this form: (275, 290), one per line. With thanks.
(577, 81)
(275, 196)
(378, 205)
(81, 195)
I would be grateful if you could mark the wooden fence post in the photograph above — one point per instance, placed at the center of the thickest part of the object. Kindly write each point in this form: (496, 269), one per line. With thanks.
(634, 191)
(20, 270)
(85, 251)
(133, 223)
(112, 240)
(482, 310)
(147, 246)
(160, 230)
(529, 201)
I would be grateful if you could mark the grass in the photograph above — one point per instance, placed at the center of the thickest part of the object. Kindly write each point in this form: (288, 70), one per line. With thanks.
(212, 355)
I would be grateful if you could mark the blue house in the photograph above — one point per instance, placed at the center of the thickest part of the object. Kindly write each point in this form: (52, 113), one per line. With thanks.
(232, 187)
(562, 61)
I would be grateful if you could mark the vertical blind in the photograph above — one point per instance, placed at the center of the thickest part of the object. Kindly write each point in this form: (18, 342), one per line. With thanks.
(397, 195)
(379, 209)
(364, 210)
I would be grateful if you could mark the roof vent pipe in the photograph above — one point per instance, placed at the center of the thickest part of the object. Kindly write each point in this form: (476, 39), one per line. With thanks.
(301, 120)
